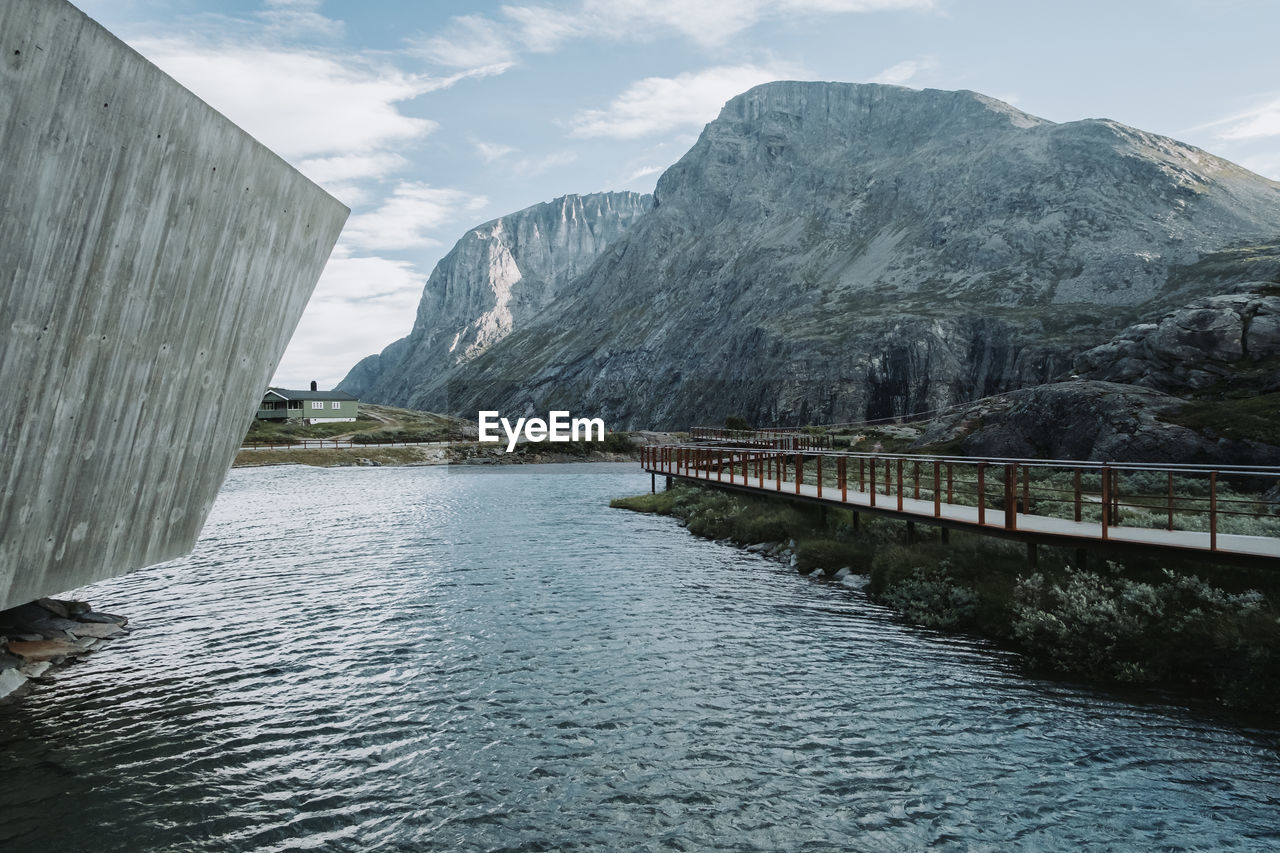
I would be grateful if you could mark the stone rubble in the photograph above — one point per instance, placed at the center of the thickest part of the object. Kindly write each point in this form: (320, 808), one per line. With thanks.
(43, 635)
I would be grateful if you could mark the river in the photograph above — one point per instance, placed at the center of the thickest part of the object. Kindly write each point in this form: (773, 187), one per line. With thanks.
(492, 659)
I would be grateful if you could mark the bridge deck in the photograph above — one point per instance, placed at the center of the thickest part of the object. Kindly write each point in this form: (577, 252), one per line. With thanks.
(1029, 527)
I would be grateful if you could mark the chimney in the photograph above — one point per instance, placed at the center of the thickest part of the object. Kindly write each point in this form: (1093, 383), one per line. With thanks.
(313, 385)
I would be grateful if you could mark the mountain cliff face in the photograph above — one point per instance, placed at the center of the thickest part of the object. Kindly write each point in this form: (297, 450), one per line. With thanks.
(497, 277)
(1227, 343)
(830, 252)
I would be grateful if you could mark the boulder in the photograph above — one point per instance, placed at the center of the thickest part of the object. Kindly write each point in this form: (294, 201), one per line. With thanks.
(1100, 421)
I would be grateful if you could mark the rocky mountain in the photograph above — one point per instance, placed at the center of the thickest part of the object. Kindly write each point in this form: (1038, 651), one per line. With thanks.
(1199, 384)
(496, 278)
(1090, 419)
(831, 252)
(1220, 344)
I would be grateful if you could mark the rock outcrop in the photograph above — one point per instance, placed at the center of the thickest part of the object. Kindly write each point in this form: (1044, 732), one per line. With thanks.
(1229, 342)
(1086, 420)
(40, 635)
(497, 277)
(831, 252)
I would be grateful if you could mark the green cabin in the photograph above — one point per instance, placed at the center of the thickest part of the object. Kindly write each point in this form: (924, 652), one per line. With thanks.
(310, 407)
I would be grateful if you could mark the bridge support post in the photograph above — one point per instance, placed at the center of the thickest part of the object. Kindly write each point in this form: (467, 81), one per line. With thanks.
(899, 485)
(946, 535)
(1082, 558)
(911, 533)
(937, 490)
(1213, 510)
(856, 522)
(1077, 486)
(668, 486)
(1033, 556)
(1106, 499)
(982, 494)
(653, 483)
(1010, 501)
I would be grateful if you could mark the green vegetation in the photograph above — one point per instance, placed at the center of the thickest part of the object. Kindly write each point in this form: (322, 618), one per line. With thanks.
(375, 425)
(658, 504)
(736, 422)
(1183, 625)
(464, 452)
(614, 442)
(331, 457)
(290, 432)
(1249, 418)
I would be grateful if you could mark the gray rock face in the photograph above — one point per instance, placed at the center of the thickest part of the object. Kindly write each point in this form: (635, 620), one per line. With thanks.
(832, 252)
(1226, 341)
(1102, 421)
(498, 276)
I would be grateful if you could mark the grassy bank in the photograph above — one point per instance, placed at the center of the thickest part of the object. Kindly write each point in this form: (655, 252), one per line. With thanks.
(375, 424)
(615, 448)
(1209, 631)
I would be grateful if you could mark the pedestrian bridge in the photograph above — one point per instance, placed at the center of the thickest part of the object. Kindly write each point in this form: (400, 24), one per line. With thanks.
(1222, 513)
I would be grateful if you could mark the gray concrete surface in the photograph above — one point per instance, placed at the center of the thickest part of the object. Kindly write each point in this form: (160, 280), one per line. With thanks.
(154, 261)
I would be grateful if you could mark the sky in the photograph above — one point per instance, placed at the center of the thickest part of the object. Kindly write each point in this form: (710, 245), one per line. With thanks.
(429, 117)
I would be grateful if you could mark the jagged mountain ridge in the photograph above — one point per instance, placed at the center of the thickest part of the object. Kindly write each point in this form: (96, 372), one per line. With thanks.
(497, 276)
(828, 252)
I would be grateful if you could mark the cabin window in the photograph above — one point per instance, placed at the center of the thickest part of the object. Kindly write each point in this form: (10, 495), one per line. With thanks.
(317, 404)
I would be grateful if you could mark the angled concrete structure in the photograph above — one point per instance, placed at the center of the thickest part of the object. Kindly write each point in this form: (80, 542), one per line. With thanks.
(152, 255)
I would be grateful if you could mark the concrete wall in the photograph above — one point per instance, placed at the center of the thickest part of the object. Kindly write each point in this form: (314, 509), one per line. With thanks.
(154, 261)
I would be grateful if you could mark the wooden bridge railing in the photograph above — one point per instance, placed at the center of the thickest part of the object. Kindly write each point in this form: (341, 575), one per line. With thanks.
(784, 439)
(1243, 501)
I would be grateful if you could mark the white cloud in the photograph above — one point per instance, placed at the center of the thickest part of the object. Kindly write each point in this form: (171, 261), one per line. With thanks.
(404, 220)
(705, 22)
(491, 151)
(542, 30)
(708, 22)
(904, 72)
(526, 167)
(846, 6)
(529, 167)
(299, 104)
(384, 295)
(658, 104)
(643, 172)
(1259, 122)
(469, 41)
(342, 168)
(1267, 165)
(350, 194)
(298, 18)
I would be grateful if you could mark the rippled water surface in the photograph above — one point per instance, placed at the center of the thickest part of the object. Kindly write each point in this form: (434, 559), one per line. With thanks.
(421, 658)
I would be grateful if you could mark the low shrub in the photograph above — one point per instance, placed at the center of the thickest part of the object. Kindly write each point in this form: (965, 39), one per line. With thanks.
(1137, 624)
(931, 596)
(831, 555)
(1180, 632)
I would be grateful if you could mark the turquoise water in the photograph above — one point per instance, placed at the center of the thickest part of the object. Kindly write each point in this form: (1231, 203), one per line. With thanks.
(492, 659)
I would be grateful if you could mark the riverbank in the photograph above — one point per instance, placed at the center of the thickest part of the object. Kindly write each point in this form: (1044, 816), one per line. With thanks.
(617, 447)
(38, 638)
(1203, 631)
